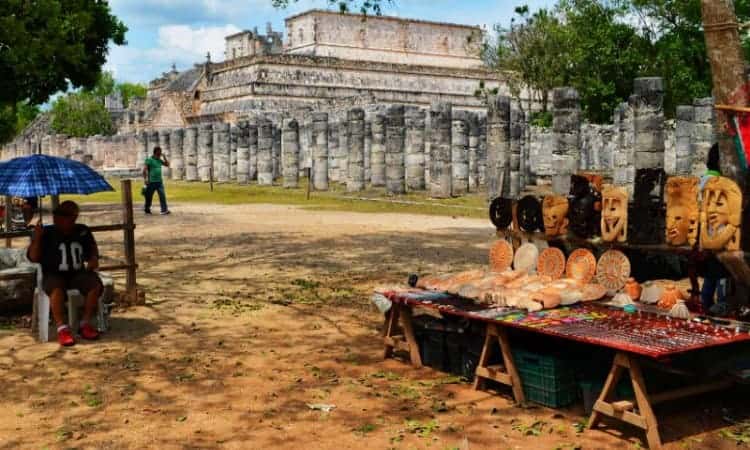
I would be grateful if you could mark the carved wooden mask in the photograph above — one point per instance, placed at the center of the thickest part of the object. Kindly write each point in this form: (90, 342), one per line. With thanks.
(721, 214)
(555, 213)
(682, 210)
(614, 214)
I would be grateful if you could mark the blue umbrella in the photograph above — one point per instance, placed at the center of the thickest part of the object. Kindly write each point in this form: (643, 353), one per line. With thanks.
(40, 175)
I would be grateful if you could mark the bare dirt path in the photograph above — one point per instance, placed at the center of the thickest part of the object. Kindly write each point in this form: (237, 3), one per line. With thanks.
(256, 311)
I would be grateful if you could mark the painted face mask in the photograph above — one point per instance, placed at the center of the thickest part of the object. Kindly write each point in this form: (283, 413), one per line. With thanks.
(614, 214)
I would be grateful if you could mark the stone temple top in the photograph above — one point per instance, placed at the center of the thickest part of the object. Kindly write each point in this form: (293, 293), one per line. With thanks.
(383, 39)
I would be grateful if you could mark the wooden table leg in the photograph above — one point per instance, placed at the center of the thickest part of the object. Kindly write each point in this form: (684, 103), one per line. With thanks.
(644, 405)
(505, 373)
(405, 342)
(625, 410)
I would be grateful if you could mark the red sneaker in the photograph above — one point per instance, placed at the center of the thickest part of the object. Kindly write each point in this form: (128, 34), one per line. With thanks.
(88, 332)
(65, 337)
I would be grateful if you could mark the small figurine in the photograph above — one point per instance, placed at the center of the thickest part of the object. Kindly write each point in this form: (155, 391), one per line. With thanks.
(633, 289)
(669, 297)
(614, 214)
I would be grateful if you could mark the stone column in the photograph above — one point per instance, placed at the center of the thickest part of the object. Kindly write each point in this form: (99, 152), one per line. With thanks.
(252, 149)
(205, 152)
(165, 150)
(368, 151)
(265, 152)
(276, 151)
(566, 126)
(344, 151)
(355, 140)
(394, 150)
(190, 152)
(460, 152)
(142, 149)
(624, 157)
(441, 172)
(221, 152)
(377, 153)
(647, 102)
(683, 132)
(482, 152)
(704, 134)
(516, 141)
(243, 153)
(415, 126)
(498, 147)
(320, 151)
(333, 152)
(473, 152)
(176, 142)
(290, 153)
(233, 143)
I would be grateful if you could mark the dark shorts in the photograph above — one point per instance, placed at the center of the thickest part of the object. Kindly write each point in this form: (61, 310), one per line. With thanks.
(83, 282)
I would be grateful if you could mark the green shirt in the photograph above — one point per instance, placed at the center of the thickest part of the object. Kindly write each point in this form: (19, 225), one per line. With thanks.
(154, 170)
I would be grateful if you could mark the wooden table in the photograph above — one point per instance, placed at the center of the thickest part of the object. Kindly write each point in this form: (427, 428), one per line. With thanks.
(628, 359)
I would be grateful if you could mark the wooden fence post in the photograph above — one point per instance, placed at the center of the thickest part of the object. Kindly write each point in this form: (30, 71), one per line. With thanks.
(131, 290)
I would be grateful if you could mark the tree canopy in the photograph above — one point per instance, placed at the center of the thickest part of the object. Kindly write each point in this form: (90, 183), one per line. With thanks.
(48, 46)
(600, 46)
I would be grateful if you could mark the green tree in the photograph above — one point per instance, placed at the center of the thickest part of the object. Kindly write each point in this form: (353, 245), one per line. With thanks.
(81, 114)
(14, 118)
(529, 48)
(48, 45)
(130, 91)
(603, 53)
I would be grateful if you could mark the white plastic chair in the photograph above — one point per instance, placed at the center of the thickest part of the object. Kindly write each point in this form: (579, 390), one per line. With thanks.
(75, 301)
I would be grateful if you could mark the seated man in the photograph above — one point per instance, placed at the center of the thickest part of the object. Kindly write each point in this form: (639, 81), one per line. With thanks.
(69, 256)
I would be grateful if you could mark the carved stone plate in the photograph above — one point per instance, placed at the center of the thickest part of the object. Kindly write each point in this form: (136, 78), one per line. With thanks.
(526, 257)
(551, 263)
(581, 265)
(613, 270)
(501, 256)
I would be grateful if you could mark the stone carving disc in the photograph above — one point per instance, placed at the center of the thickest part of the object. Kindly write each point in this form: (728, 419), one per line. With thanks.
(501, 256)
(501, 212)
(551, 263)
(613, 270)
(581, 265)
(526, 258)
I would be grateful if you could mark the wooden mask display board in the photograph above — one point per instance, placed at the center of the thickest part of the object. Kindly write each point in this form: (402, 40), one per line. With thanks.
(682, 211)
(614, 214)
(585, 207)
(555, 213)
(646, 216)
(721, 214)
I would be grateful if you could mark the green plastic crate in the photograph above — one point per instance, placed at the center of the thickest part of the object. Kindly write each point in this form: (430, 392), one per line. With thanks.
(546, 379)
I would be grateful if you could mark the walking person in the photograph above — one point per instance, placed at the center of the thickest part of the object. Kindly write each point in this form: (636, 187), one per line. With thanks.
(154, 182)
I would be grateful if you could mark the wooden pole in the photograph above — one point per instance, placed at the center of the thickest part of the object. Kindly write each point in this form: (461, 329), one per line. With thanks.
(725, 55)
(131, 291)
(8, 209)
(309, 183)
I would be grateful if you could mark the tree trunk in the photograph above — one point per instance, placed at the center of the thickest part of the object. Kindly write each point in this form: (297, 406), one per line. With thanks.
(728, 71)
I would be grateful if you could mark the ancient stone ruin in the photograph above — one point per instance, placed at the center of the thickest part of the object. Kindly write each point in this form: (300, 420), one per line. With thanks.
(399, 112)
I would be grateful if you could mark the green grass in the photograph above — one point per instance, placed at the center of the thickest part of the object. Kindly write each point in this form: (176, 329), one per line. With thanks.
(473, 205)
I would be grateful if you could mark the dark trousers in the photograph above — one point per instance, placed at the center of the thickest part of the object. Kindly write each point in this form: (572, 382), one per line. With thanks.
(158, 187)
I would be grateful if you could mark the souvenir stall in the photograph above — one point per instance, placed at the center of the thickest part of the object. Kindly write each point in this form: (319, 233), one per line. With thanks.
(560, 268)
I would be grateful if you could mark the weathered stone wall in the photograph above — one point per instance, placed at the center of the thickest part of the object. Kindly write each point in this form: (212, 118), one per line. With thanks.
(381, 38)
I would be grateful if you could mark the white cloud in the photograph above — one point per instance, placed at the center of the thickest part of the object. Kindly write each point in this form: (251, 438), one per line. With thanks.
(182, 45)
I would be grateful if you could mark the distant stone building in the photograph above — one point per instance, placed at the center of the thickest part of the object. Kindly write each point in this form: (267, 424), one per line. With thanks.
(384, 39)
(329, 60)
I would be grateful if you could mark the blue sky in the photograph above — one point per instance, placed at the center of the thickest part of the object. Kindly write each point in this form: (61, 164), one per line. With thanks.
(163, 32)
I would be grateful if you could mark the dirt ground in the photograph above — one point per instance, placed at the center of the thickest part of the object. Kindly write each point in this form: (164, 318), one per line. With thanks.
(255, 312)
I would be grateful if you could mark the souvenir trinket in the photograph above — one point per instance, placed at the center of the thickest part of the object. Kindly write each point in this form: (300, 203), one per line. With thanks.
(581, 265)
(529, 212)
(555, 213)
(614, 214)
(721, 215)
(682, 210)
(584, 212)
(613, 270)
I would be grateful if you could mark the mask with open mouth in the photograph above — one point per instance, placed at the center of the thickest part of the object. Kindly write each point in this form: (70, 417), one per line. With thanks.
(614, 214)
